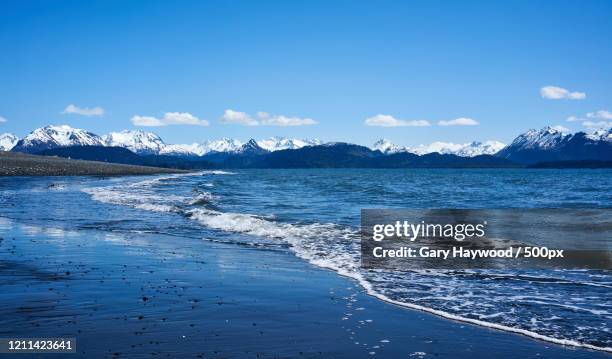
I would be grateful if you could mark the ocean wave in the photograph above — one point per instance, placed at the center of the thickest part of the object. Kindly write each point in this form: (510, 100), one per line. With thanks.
(201, 198)
(141, 194)
(135, 199)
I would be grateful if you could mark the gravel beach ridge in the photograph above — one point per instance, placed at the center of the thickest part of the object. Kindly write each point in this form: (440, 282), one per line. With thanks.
(21, 164)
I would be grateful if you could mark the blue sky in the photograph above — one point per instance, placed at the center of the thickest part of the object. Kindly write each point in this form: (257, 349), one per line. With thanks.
(331, 63)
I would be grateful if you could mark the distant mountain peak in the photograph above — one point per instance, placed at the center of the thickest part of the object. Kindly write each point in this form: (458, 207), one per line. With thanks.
(547, 137)
(8, 141)
(550, 144)
(480, 148)
(54, 136)
(601, 135)
(276, 143)
(252, 147)
(223, 145)
(137, 141)
(387, 147)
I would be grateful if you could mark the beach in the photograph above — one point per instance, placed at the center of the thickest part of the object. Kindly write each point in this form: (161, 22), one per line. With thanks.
(21, 164)
(153, 295)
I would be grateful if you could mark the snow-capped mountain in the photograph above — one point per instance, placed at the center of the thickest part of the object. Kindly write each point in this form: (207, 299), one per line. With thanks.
(460, 149)
(227, 145)
(480, 148)
(281, 143)
(48, 137)
(387, 147)
(252, 148)
(545, 138)
(222, 145)
(139, 142)
(601, 135)
(549, 144)
(464, 150)
(535, 145)
(194, 149)
(142, 142)
(545, 145)
(7, 141)
(439, 147)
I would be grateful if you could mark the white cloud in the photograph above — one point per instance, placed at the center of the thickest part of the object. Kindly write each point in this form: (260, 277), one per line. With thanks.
(264, 119)
(84, 111)
(390, 121)
(598, 119)
(561, 128)
(602, 114)
(148, 121)
(182, 118)
(287, 121)
(461, 121)
(2, 119)
(238, 118)
(169, 118)
(597, 124)
(559, 93)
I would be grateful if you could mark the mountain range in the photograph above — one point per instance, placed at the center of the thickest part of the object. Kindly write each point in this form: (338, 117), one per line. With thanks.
(534, 146)
(139, 142)
(147, 143)
(464, 150)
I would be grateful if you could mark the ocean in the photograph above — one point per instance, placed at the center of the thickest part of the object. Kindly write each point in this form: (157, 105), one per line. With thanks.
(314, 215)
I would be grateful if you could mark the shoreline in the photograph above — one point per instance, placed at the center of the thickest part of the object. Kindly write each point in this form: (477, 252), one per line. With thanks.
(459, 319)
(20, 164)
(163, 294)
(498, 327)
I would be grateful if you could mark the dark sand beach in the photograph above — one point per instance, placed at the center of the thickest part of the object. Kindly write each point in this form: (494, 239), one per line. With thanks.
(143, 295)
(21, 164)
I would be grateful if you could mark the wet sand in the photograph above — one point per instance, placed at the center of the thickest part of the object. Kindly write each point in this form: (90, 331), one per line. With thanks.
(21, 164)
(143, 295)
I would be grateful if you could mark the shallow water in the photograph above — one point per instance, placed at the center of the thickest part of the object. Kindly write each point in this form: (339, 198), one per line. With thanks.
(315, 215)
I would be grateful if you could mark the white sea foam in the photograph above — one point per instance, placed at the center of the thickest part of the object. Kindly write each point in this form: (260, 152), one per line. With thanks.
(127, 197)
(140, 194)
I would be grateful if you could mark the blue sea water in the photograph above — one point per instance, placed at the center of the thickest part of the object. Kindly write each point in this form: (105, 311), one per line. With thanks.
(315, 215)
